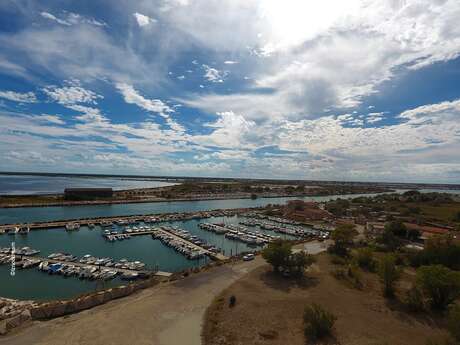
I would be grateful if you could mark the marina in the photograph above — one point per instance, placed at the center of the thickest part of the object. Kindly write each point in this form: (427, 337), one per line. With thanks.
(166, 242)
(139, 246)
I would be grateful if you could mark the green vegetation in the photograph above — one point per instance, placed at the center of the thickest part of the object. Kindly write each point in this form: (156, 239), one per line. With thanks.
(365, 259)
(389, 239)
(279, 255)
(439, 284)
(318, 322)
(343, 239)
(298, 262)
(389, 274)
(440, 250)
(453, 322)
(414, 300)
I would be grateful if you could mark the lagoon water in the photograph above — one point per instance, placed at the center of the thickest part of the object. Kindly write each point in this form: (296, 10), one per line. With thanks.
(29, 185)
(36, 214)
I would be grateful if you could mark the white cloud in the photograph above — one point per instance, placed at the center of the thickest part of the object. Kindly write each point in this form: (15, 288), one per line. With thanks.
(230, 62)
(71, 18)
(214, 75)
(54, 119)
(71, 94)
(131, 96)
(142, 19)
(27, 97)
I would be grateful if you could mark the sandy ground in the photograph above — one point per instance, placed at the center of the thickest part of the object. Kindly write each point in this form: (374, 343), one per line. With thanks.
(170, 313)
(269, 310)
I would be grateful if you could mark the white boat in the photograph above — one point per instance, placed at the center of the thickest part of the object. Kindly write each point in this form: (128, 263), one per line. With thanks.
(72, 226)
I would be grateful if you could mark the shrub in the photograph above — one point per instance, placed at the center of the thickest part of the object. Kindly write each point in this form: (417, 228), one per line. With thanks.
(354, 276)
(338, 260)
(343, 238)
(415, 300)
(389, 274)
(350, 275)
(453, 323)
(439, 250)
(440, 284)
(365, 259)
(318, 321)
(339, 274)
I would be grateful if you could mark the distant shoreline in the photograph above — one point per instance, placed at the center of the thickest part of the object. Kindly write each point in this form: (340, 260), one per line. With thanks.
(398, 185)
(153, 200)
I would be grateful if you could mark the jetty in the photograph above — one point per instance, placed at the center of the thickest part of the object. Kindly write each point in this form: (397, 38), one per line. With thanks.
(128, 219)
(215, 256)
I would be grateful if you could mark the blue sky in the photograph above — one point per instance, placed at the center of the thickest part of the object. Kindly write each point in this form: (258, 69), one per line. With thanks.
(344, 90)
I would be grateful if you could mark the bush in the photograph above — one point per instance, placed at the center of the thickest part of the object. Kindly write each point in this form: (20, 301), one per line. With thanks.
(354, 276)
(414, 300)
(440, 284)
(350, 275)
(439, 250)
(343, 239)
(277, 254)
(365, 259)
(318, 321)
(338, 260)
(389, 274)
(453, 323)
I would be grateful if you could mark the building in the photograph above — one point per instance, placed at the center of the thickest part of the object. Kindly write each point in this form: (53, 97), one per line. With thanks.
(375, 228)
(87, 193)
(426, 232)
(302, 211)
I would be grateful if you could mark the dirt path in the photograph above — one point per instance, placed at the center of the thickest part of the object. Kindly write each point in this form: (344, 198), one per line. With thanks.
(167, 314)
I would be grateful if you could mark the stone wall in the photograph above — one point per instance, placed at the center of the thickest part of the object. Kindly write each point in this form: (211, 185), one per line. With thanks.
(49, 310)
(54, 309)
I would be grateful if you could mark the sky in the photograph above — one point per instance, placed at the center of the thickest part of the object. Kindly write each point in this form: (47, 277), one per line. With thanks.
(356, 90)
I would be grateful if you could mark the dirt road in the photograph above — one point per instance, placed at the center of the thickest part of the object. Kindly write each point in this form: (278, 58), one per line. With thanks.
(168, 314)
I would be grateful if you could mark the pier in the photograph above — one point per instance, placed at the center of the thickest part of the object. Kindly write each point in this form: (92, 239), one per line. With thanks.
(160, 217)
(215, 256)
(83, 265)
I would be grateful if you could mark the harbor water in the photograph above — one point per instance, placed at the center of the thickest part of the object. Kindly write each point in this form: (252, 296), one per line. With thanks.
(33, 284)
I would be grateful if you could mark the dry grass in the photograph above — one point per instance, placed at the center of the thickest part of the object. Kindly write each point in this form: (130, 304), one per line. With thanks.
(269, 310)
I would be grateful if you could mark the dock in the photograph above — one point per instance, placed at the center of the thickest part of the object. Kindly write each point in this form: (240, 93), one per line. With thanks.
(162, 217)
(215, 256)
(119, 270)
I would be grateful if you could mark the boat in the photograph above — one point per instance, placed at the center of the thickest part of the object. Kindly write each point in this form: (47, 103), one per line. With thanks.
(72, 226)
(54, 268)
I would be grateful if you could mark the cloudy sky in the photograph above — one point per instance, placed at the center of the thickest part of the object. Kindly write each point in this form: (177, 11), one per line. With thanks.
(331, 89)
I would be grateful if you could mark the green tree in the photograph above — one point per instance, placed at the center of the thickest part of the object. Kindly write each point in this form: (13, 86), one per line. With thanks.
(440, 284)
(343, 238)
(318, 321)
(299, 261)
(389, 239)
(389, 274)
(277, 254)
